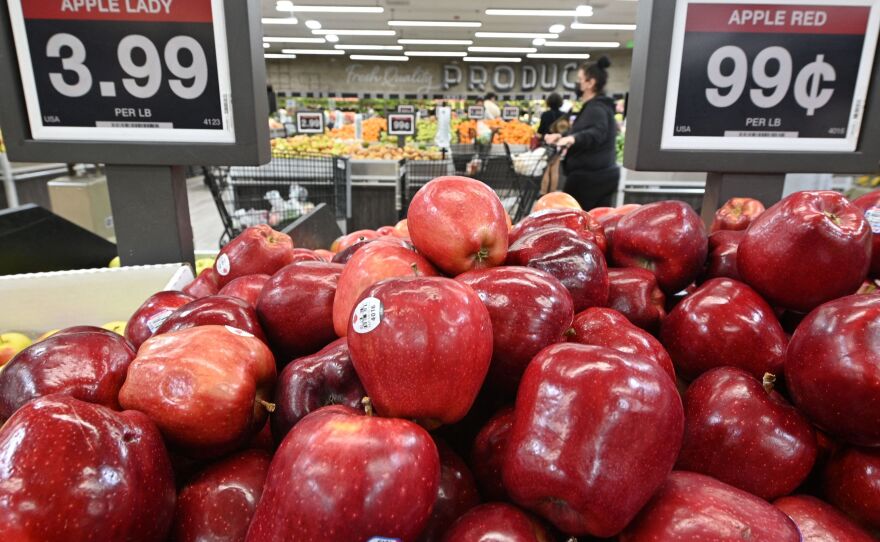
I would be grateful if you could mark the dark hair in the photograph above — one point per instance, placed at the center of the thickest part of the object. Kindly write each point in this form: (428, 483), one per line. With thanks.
(554, 101)
(598, 71)
(491, 96)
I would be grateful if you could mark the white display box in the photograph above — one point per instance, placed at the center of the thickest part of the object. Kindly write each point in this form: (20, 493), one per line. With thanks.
(38, 302)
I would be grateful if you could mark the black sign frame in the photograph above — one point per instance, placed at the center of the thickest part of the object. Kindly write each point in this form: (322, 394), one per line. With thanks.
(505, 115)
(408, 116)
(303, 114)
(472, 112)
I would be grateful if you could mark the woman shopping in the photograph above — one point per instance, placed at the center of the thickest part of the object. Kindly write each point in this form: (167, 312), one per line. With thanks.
(590, 163)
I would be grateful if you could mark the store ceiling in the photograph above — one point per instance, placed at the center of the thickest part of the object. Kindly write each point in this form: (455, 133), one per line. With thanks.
(603, 12)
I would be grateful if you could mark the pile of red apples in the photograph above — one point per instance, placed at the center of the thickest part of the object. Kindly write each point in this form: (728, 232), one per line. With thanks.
(619, 374)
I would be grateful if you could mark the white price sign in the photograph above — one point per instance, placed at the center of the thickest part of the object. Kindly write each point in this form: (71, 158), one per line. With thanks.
(770, 75)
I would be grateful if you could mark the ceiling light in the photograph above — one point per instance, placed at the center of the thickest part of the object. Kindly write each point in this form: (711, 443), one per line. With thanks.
(583, 11)
(266, 46)
(279, 20)
(380, 57)
(578, 56)
(557, 28)
(277, 55)
(370, 47)
(435, 53)
(470, 24)
(539, 41)
(332, 38)
(602, 26)
(435, 42)
(324, 32)
(595, 44)
(312, 52)
(293, 40)
(502, 49)
(528, 35)
(286, 5)
(492, 59)
(313, 24)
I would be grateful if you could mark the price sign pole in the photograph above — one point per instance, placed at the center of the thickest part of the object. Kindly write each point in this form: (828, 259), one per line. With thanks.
(401, 125)
(754, 90)
(145, 87)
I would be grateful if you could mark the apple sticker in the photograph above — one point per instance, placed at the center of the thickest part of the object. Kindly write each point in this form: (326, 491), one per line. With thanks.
(367, 315)
(157, 320)
(222, 265)
(872, 215)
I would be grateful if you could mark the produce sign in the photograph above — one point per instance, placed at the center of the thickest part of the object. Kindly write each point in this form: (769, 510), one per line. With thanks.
(124, 70)
(770, 75)
(510, 112)
(476, 112)
(309, 122)
(401, 124)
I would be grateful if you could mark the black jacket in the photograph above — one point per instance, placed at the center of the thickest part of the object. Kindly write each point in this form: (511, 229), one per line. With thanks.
(595, 135)
(547, 119)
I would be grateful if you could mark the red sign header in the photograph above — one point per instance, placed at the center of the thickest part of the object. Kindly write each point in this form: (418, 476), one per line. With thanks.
(778, 19)
(169, 11)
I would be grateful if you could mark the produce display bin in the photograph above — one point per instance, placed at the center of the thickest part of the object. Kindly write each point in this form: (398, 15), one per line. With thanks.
(375, 192)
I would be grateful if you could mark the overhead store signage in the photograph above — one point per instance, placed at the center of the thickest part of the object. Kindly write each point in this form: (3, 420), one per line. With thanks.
(124, 70)
(509, 112)
(770, 75)
(401, 124)
(406, 108)
(309, 122)
(476, 112)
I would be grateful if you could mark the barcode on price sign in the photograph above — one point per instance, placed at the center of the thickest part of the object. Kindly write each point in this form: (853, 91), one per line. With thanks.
(769, 75)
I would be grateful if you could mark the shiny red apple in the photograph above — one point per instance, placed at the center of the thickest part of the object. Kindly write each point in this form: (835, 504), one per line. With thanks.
(724, 323)
(374, 262)
(595, 434)
(667, 238)
(610, 329)
(89, 364)
(487, 455)
(609, 225)
(421, 347)
(820, 522)
(342, 476)
(71, 470)
(324, 254)
(214, 310)
(456, 494)
(305, 255)
(345, 241)
(530, 309)
(246, 288)
(633, 292)
(809, 248)
(459, 224)
(870, 205)
(852, 483)
(691, 507)
(577, 263)
(207, 388)
(309, 383)
(576, 220)
(832, 368)
(257, 250)
(152, 314)
(219, 503)
(737, 214)
(770, 459)
(203, 285)
(296, 309)
(723, 245)
(497, 522)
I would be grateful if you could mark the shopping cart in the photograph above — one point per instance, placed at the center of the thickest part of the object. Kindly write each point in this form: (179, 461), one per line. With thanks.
(279, 192)
(529, 169)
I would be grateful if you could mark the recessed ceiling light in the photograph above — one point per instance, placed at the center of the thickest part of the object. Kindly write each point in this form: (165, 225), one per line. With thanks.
(313, 24)
(280, 20)
(286, 5)
(434, 42)
(602, 26)
(266, 46)
(332, 38)
(277, 55)
(528, 35)
(281, 39)
(492, 59)
(392, 58)
(312, 52)
(578, 56)
(435, 53)
(594, 44)
(370, 47)
(324, 32)
(539, 41)
(557, 28)
(470, 24)
(502, 49)
(583, 11)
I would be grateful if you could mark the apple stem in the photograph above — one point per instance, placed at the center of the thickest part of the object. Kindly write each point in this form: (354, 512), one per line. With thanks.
(368, 405)
(483, 254)
(415, 269)
(570, 332)
(769, 382)
(267, 405)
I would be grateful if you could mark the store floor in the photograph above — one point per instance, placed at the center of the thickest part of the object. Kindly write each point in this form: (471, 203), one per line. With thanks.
(206, 224)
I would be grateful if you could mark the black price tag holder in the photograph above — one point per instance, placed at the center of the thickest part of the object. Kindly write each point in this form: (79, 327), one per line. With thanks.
(752, 90)
(401, 125)
(310, 122)
(173, 84)
(510, 112)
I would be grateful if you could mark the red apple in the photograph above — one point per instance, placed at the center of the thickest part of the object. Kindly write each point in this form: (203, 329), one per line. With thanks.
(723, 245)
(529, 308)
(633, 292)
(352, 238)
(257, 250)
(769, 460)
(304, 255)
(609, 225)
(309, 383)
(246, 288)
(870, 205)
(203, 286)
(206, 387)
(456, 494)
(832, 368)
(577, 220)
(600, 212)
(595, 434)
(578, 264)
(487, 455)
(325, 255)
(852, 483)
(218, 504)
(402, 228)
(610, 329)
(421, 346)
(724, 323)
(869, 287)
(497, 522)
(87, 364)
(388, 230)
(627, 209)
(667, 238)
(152, 314)
(346, 477)
(296, 308)
(71, 470)
(555, 200)
(821, 522)
(215, 310)
(459, 224)
(691, 507)
(372, 263)
(737, 214)
(809, 248)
